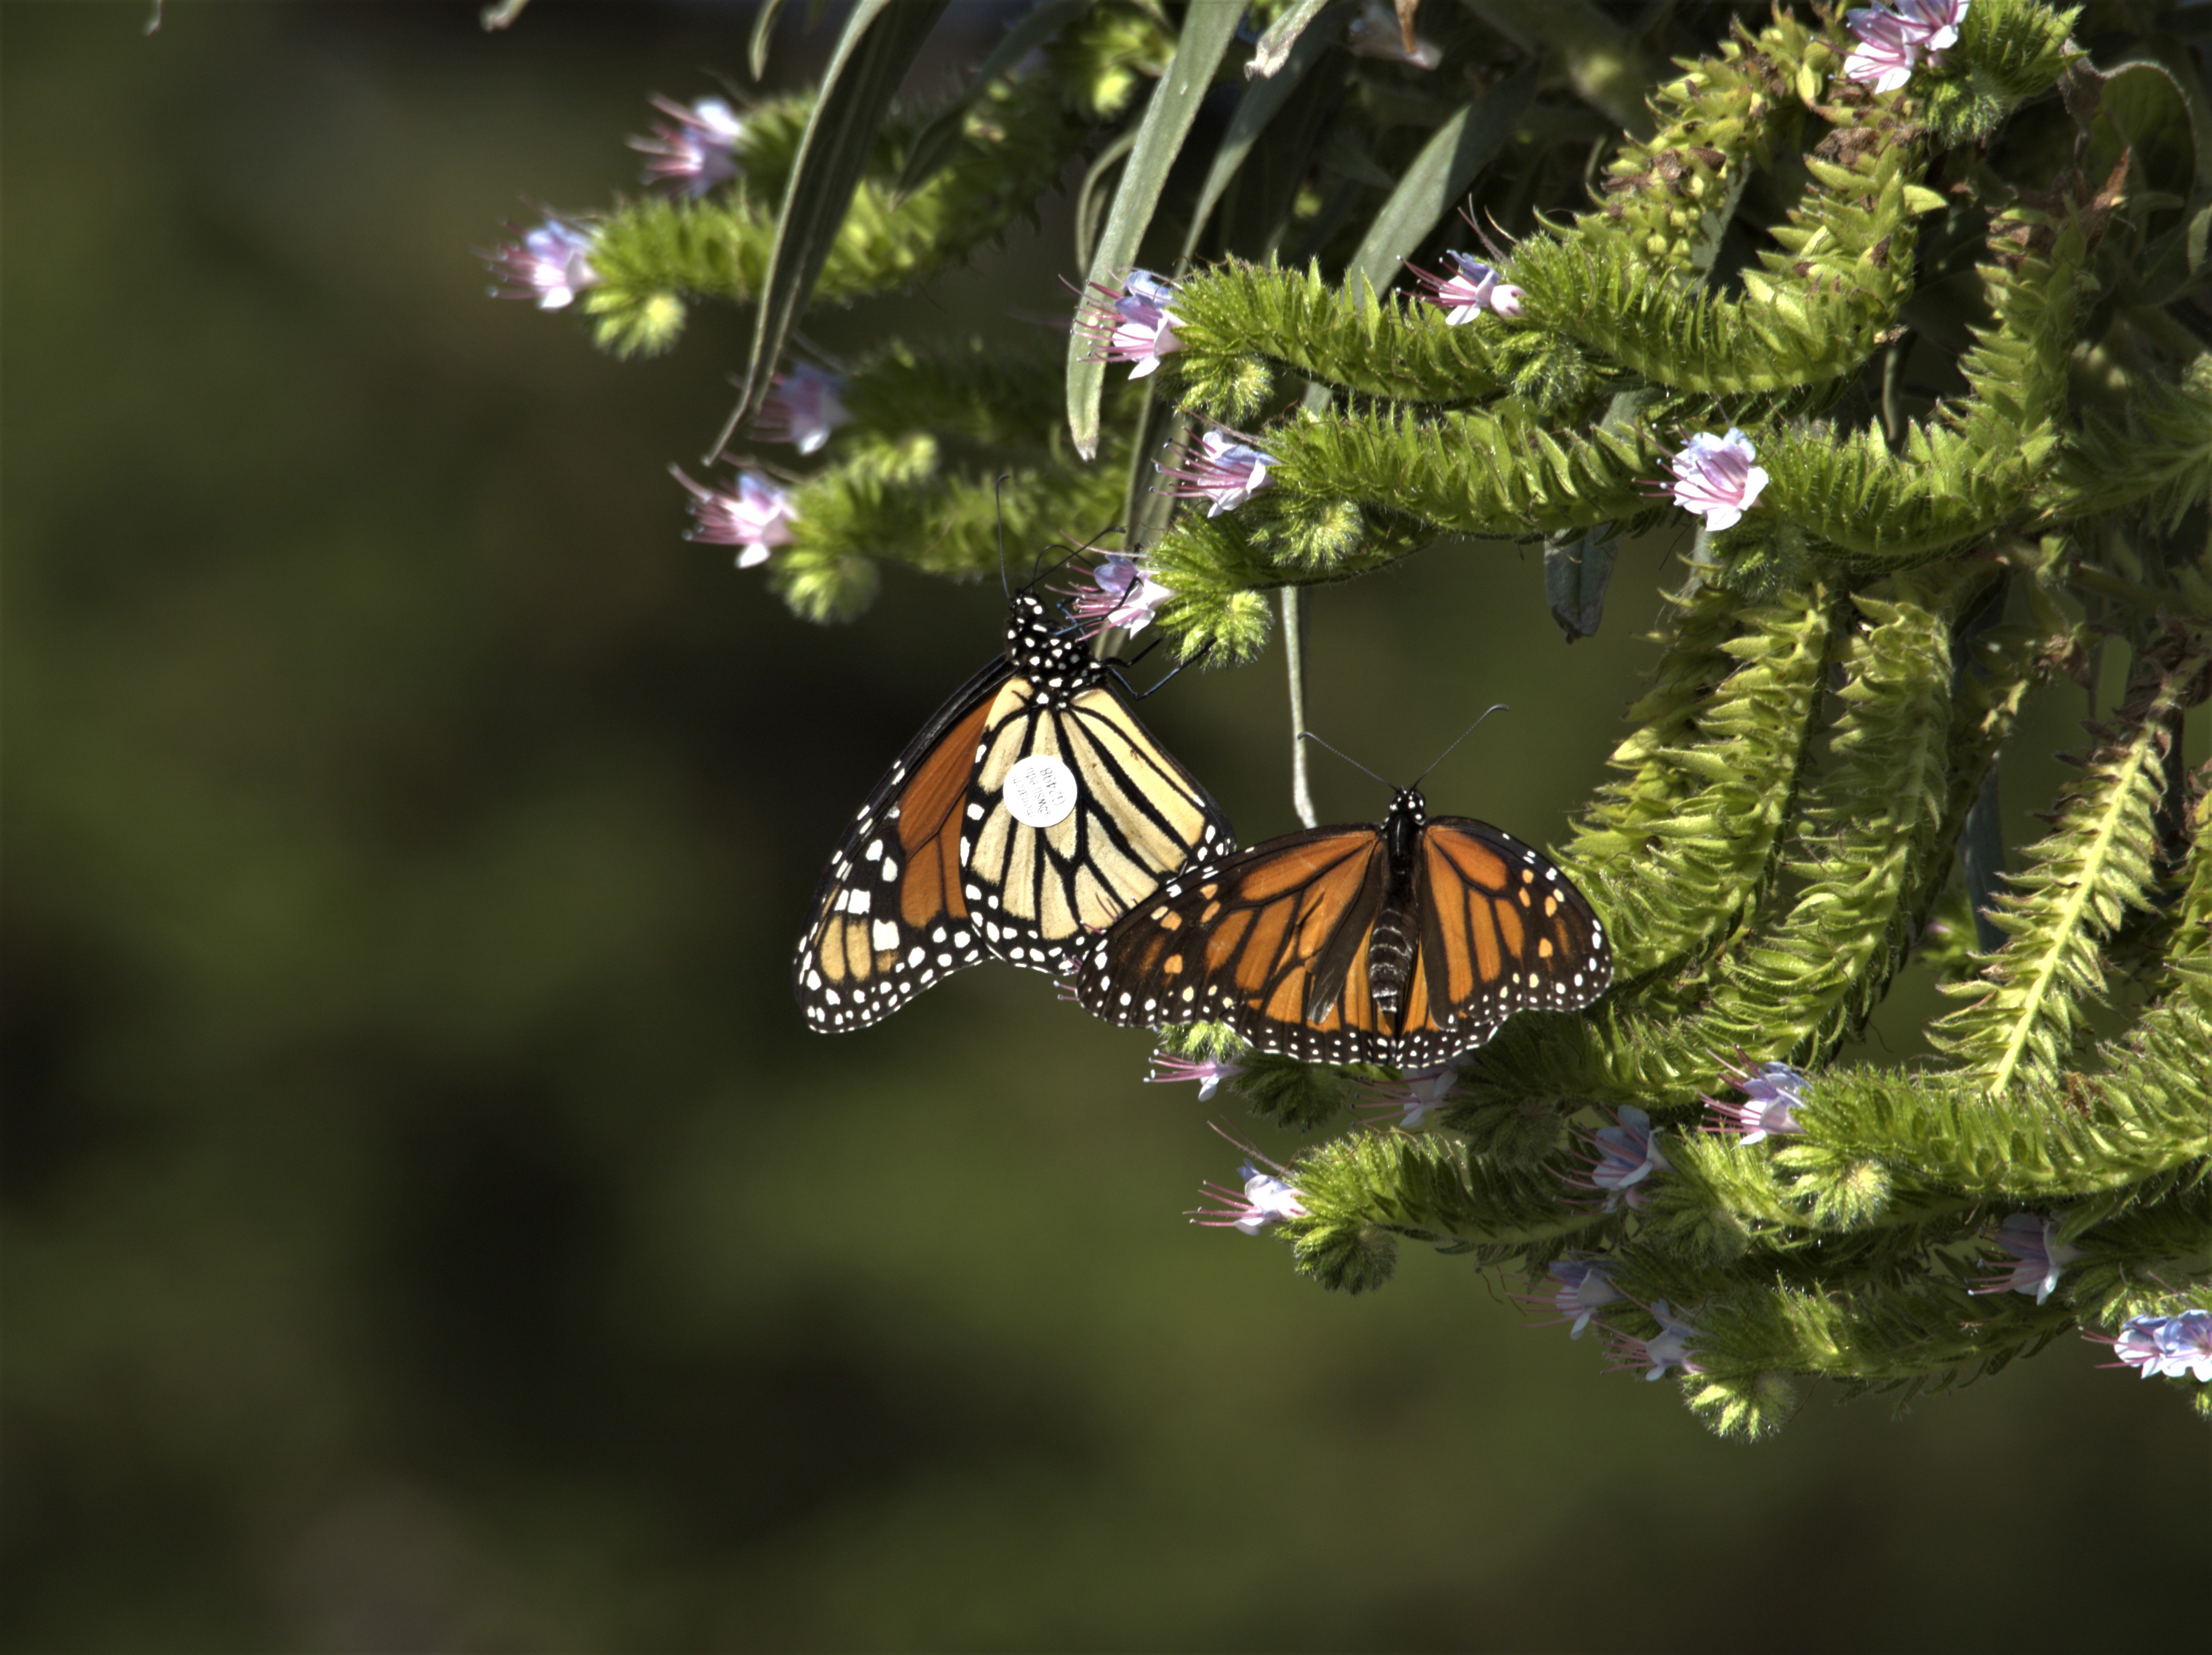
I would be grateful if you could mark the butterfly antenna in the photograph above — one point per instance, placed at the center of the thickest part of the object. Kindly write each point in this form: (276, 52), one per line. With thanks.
(998, 498)
(1463, 735)
(1308, 736)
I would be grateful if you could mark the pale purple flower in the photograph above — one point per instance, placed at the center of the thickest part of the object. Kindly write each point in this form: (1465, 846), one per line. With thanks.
(1132, 325)
(801, 408)
(1628, 1153)
(1375, 33)
(1938, 22)
(1422, 1092)
(1891, 42)
(2037, 1256)
(1772, 1096)
(755, 519)
(551, 264)
(2187, 1340)
(1225, 472)
(2167, 1347)
(697, 153)
(1715, 476)
(1123, 593)
(1208, 1072)
(1669, 1347)
(1474, 290)
(1888, 47)
(2138, 1345)
(1583, 1290)
(1267, 1200)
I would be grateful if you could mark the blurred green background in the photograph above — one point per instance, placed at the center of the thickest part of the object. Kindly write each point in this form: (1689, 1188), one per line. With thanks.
(429, 1225)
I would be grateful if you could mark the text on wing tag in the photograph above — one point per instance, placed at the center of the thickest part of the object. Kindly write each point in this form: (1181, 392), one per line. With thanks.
(1040, 792)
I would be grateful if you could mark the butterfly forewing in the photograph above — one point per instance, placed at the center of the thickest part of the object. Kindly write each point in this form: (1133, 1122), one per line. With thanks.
(889, 918)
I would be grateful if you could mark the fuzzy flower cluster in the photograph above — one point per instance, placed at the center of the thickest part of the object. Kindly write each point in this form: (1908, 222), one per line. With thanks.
(1125, 593)
(1218, 470)
(696, 150)
(757, 519)
(801, 408)
(1266, 1202)
(1772, 1094)
(1474, 289)
(2168, 1347)
(1890, 42)
(1133, 326)
(2039, 1256)
(550, 265)
(1716, 478)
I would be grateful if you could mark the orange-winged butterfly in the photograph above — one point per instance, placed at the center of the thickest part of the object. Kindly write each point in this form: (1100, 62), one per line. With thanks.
(1403, 944)
(1032, 808)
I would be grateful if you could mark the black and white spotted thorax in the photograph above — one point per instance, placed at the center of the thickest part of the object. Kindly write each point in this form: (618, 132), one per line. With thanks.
(1056, 659)
(1401, 829)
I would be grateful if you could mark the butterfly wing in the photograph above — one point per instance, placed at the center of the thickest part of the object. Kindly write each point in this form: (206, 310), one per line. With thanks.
(1074, 814)
(888, 917)
(1272, 941)
(1502, 930)
(1279, 941)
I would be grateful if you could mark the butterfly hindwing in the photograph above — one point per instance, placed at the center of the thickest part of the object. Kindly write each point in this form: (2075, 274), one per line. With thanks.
(889, 918)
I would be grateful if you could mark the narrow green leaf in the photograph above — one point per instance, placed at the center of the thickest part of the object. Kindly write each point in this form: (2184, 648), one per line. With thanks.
(1577, 566)
(1258, 104)
(1441, 174)
(1207, 31)
(1344, 154)
(1088, 194)
(1146, 510)
(1280, 43)
(935, 144)
(764, 32)
(872, 56)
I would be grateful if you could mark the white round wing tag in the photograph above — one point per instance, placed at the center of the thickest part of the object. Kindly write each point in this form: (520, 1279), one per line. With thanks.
(1040, 792)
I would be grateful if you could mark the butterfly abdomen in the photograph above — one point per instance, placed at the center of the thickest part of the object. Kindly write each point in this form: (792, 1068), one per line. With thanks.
(1395, 939)
(1390, 961)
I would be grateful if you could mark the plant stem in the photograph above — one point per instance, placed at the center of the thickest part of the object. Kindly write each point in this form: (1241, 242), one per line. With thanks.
(1294, 655)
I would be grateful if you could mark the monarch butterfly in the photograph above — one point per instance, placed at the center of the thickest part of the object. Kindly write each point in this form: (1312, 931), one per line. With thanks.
(1401, 944)
(1032, 807)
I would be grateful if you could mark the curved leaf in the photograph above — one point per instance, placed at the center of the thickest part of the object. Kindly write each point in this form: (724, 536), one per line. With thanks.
(935, 144)
(872, 56)
(1283, 38)
(1440, 175)
(1207, 33)
(1259, 106)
